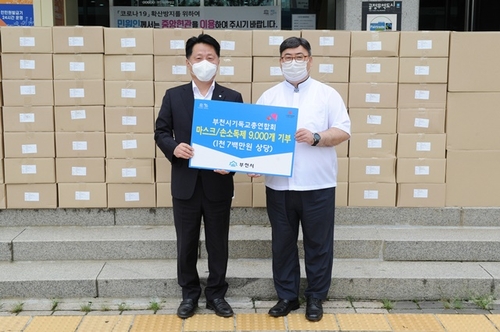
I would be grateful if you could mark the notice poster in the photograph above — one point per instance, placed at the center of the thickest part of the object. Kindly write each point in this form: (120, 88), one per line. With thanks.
(16, 13)
(381, 16)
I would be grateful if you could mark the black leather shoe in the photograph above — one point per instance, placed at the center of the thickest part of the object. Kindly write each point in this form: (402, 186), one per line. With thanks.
(187, 308)
(314, 309)
(283, 307)
(221, 307)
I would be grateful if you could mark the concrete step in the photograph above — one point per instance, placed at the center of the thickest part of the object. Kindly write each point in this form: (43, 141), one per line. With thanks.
(358, 279)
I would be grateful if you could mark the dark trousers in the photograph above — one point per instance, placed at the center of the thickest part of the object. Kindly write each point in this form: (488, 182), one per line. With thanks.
(314, 210)
(187, 219)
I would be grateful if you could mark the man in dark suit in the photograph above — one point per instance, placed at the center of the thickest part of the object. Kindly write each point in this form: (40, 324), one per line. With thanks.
(197, 193)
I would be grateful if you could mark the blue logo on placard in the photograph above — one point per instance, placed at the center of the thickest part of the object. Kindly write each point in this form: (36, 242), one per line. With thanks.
(233, 164)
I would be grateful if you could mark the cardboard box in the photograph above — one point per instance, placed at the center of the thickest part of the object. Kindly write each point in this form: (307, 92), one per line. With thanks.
(27, 39)
(422, 95)
(374, 70)
(80, 144)
(128, 41)
(342, 89)
(129, 119)
(82, 195)
(28, 118)
(235, 69)
(29, 145)
(421, 170)
(163, 170)
(472, 121)
(242, 196)
(258, 194)
(258, 88)
(17, 66)
(130, 171)
(473, 63)
(328, 42)
(372, 194)
(76, 170)
(342, 169)
(342, 194)
(31, 196)
(267, 42)
(79, 118)
(29, 170)
(267, 69)
(163, 195)
(129, 93)
(421, 120)
(372, 170)
(172, 41)
(244, 88)
(161, 89)
(373, 120)
(421, 146)
(128, 145)
(128, 67)
(330, 69)
(171, 68)
(3, 201)
(372, 145)
(233, 42)
(78, 92)
(342, 149)
(423, 70)
(78, 39)
(28, 92)
(78, 66)
(241, 178)
(2, 179)
(376, 95)
(374, 43)
(421, 195)
(136, 195)
(424, 43)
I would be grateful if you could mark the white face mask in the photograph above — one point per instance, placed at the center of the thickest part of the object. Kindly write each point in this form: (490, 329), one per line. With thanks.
(295, 71)
(204, 70)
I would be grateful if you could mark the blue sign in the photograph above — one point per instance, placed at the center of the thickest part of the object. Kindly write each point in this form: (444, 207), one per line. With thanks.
(17, 15)
(241, 137)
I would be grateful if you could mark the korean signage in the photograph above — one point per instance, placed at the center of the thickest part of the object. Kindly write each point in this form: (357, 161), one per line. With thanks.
(241, 137)
(16, 13)
(244, 18)
(381, 15)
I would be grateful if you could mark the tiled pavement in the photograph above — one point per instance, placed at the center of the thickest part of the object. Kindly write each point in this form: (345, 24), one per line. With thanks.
(134, 315)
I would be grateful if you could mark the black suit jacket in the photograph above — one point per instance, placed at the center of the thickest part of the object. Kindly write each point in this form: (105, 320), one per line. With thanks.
(173, 126)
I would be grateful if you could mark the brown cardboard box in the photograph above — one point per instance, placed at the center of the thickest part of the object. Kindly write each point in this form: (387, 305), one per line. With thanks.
(258, 194)
(372, 170)
(267, 42)
(378, 95)
(342, 169)
(160, 90)
(31, 196)
(342, 194)
(258, 88)
(163, 170)
(28, 92)
(424, 43)
(128, 41)
(78, 39)
(3, 202)
(78, 92)
(422, 95)
(26, 39)
(421, 146)
(28, 118)
(136, 195)
(235, 69)
(423, 70)
(2, 180)
(328, 42)
(172, 41)
(373, 120)
(233, 42)
(374, 43)
(342, 89)
(126, 145)
(79, 118)
(241, 177)
(374, 70)
(128, 67)
(474, 61)
(267, 69)
(421, 170)
(129, 93)
(472, 121)
(163, 195)
(73, 170)
(82, 195)
(129, 119)
(372, 194)
(17, 66)
(472, 178)
(421, 120)
(130, 171)
(372, 145)
(29, 170)
(421, 194)
(330, 69)
(171, 68)
(78, 66)
(29, 145)
(80, 144)
(242, 196)
(342, 149)
(244, 88)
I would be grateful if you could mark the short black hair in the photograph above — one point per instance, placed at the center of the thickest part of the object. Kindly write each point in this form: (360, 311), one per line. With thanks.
(294, 42)
(202, 38)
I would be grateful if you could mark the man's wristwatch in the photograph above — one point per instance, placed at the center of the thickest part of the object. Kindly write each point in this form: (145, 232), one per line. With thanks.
(316, 139)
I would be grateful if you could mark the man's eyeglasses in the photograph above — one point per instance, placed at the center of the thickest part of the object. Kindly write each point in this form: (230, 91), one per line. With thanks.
(298, 58)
